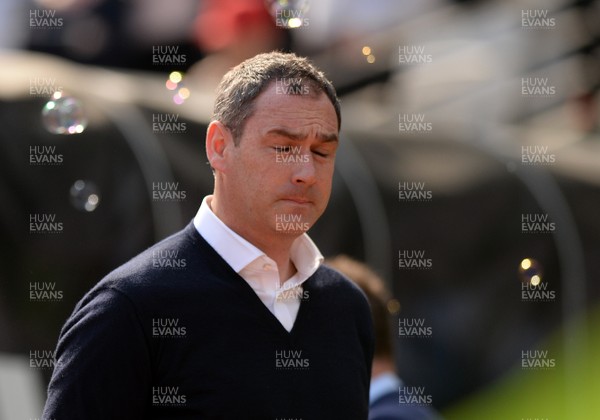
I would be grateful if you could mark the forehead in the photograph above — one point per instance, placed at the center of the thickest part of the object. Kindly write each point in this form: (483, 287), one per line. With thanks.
(274, 106)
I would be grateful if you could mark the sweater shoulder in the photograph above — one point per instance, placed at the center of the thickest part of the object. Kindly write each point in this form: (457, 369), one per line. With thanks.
(163, 254)
(328, 279)
(158, 268)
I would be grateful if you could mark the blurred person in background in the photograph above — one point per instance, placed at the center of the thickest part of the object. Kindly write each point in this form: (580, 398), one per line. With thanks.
(178, 331)
(384, 395)
(228, 32)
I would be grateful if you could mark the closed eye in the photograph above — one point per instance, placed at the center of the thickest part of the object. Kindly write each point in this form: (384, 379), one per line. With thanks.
(325, 152)
(283, 149)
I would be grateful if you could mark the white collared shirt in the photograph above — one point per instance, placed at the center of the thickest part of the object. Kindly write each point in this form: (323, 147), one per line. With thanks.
(260, 271)
(383, 384)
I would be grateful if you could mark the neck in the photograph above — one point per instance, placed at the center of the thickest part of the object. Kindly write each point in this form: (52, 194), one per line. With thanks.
(286, 270)
(382, 365)
(278, 251)
(276, 247)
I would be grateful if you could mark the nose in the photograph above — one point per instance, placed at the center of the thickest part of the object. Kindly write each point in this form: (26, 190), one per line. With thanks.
(305, 171)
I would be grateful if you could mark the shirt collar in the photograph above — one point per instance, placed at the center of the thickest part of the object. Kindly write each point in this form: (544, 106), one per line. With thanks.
(383, 384)
(239, 253)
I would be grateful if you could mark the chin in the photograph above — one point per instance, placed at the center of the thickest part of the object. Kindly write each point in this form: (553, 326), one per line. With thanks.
(290, 224)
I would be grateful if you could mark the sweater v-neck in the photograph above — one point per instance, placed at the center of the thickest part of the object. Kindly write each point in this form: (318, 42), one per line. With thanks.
(246, 290)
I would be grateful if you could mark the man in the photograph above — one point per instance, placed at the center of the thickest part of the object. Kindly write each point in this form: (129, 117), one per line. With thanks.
(244, 323)
(386, 394)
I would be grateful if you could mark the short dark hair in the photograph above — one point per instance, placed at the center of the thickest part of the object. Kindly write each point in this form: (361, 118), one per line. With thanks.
(377, 295)
(242, 84)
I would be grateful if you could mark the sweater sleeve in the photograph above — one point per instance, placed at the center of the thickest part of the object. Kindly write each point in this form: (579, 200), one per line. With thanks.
(367, 338)
(102, 368)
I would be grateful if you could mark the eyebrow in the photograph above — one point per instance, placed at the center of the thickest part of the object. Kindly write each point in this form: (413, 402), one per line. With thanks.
(326, 138)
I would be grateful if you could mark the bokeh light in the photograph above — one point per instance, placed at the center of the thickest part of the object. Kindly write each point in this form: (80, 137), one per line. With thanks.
(393, 306)
(178, 99)
(288, 13)
(530, 272)
(368, 53)
(175, 83)
(84, 195)
(171, 85)
(184, 93)
(294, 23)
(175, 77)
(64, 115)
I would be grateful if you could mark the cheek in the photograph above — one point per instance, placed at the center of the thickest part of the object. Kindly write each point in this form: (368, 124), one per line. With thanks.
(326, 174)
(324, 186)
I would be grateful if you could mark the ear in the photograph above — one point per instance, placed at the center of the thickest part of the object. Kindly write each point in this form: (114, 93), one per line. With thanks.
(218, 140)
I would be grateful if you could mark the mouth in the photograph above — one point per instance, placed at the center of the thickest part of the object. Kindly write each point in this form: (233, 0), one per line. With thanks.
(297, 200)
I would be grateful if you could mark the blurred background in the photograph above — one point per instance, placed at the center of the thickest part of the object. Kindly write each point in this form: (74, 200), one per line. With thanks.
(468, 175)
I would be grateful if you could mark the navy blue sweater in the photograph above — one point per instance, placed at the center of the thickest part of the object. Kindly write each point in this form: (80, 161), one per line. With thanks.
(175, 333)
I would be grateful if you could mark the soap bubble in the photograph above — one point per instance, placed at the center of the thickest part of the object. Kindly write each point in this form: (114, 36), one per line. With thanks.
(84, 195)
(530, 272)
(288, 13)
(64, 115)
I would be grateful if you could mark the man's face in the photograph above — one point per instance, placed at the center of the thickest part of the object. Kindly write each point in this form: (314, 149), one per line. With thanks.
(278, 178)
